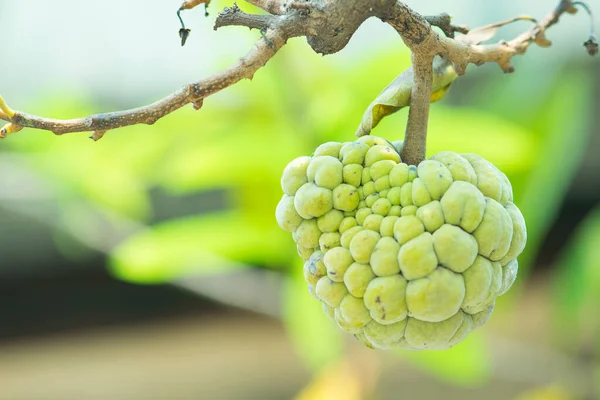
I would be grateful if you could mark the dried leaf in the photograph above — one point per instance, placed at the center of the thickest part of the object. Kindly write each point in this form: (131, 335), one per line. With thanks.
(397, 95)
(479, 35)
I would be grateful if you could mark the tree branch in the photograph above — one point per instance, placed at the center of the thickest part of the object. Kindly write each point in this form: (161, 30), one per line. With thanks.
(234, 16)
(194, 93)
(328, 26)
(501, 53)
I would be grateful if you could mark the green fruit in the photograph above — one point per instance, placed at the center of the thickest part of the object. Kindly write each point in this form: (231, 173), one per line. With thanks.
(362, 245)
(325, 171)
(330, 292)
(345, 197)
(353, 153)
(447, 240)
(417, 258)
(402, 256)
(352, 174)
(407, 228)
(337, 261)
(331, 221)
(329, 240)
(312, 201)
(437, 296)
(387, 225)
(294, 175)
(354, 312)
(373, 222)
(423, 335)
(347, 223)
(385, 336)
(308, 234)
(314, 268)
(385, 298)
(328, 149)
(357, 277)
(286, 214)
(384, 259)
(431, 215)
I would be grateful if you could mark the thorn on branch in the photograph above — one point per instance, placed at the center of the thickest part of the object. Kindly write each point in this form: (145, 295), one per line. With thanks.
(444, 22)
(198, 104)
(97, 135)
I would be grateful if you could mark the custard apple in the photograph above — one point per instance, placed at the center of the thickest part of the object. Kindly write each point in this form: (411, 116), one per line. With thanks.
(402, 256)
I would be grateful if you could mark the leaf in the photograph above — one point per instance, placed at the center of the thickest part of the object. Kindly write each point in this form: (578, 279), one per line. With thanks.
(559, 158)
(467, 364)
(577, 283)
(507, 145)
(479, 35)
(205, 244)
(317, 339)
(397, 94)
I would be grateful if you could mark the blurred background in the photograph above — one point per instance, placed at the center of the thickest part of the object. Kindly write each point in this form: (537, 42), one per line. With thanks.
(149, 265)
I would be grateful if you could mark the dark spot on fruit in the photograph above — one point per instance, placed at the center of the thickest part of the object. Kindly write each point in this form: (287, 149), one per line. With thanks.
(378, 300)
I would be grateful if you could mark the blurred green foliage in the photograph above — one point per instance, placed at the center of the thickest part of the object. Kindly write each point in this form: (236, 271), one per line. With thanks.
(239, 144)
(577, 289)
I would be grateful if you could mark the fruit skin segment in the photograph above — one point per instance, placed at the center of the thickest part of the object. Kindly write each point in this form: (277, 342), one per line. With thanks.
(402, 256)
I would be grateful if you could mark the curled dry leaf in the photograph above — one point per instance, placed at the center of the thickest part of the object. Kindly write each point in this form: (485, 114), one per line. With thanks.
(397, 94)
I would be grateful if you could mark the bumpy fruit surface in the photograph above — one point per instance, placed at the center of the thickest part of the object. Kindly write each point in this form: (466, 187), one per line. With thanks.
(402, 256)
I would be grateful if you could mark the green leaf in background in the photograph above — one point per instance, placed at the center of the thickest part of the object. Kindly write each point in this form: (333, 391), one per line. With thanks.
(565, 124)
(206, 244)
(317, 339)
(463, 130)
(576, 285)
(466, 364)
(106, 173)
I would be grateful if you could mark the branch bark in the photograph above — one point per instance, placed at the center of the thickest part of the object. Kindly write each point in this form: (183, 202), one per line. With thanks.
(415, 138)
(235, 17)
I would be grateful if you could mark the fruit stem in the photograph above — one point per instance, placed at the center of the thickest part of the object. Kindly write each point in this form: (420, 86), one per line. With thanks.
(415, 139)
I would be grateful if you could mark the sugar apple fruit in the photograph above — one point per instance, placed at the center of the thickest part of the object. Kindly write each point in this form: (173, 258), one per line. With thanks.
(402, 256)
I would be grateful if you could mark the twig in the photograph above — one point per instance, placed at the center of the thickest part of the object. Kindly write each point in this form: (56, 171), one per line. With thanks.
(234, 16)
(591, 44)
(415, 139)
(193, 93)
(444, 22)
